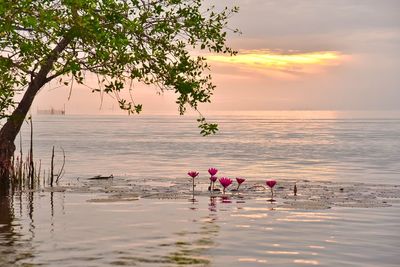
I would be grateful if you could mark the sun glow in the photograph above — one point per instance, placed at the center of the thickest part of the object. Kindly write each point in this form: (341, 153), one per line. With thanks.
(294, 62)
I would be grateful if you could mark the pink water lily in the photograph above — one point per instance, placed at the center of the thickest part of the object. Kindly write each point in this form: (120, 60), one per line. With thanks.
(212, 171)
(239, 181)
(225, 182)
(193, 174)
(271, 184)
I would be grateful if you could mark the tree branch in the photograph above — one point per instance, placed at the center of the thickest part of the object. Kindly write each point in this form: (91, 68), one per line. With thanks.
(17, 65)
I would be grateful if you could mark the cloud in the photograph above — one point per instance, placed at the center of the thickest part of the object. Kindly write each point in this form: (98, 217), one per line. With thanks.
(291, 63)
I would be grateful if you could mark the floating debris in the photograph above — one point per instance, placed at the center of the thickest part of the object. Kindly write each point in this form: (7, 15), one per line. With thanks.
(99, 177)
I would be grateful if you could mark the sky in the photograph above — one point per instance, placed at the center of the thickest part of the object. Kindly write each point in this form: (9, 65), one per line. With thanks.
(293, 55)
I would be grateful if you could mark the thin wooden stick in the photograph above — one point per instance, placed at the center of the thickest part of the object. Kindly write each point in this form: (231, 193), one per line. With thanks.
(60, 173)
(52, 168)
(31, 173)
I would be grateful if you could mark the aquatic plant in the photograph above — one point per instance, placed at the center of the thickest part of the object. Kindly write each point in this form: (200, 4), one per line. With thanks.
(225, 182)
(193, 174)
(239, 181)
(212, 182)
(212, 171)
(271, 184)
(25, 173)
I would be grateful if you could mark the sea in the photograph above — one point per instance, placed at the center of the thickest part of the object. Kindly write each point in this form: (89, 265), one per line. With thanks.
(56, 228)
(316, 145)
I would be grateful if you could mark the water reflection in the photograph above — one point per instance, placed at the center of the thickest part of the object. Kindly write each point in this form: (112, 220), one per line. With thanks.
(12, 249)
(212, 206)
(225, 199)
(36, 229)
(253, 260)
(306, 262)
(18, 228)
(30, 214)
(66, 229)
(6, 232)
(196, 251)
(194, 202)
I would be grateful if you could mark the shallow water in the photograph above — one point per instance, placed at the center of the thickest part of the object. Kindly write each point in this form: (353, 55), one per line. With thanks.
(83, 228)
(64, 229)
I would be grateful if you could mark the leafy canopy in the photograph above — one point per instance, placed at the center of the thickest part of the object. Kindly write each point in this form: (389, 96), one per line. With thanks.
(120, 41)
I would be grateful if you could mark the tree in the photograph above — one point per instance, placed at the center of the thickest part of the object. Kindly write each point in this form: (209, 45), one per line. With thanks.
(119, 41)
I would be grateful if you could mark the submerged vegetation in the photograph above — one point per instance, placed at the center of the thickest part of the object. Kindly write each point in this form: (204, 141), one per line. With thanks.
(26, 174)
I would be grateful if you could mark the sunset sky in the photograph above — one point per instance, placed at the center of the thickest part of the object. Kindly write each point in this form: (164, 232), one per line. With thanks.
(293, 55)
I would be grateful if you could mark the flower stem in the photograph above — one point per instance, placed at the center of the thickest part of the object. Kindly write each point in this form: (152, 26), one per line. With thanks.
(193, 187)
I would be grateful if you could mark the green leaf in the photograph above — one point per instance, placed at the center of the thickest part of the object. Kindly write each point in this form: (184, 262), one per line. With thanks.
(114, 42)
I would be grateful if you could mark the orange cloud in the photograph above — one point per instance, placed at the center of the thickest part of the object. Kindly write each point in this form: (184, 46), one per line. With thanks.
(293, 62)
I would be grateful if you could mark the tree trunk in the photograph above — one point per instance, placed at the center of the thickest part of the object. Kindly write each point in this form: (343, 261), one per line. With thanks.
(11, 128)
(13, 125)
(7, 149)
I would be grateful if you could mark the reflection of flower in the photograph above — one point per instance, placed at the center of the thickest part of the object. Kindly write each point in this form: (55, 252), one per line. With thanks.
(225, 182)
(271, 184)
(213, 179)
(225, 199)
(212, 171)
(240, 181)
(213, 204)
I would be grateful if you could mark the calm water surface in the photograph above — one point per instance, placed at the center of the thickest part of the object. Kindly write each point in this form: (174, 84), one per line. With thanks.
(64, 229)
(210, 232)
(335, 146)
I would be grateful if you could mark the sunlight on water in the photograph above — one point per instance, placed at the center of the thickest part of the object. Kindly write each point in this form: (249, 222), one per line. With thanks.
(307, 262)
